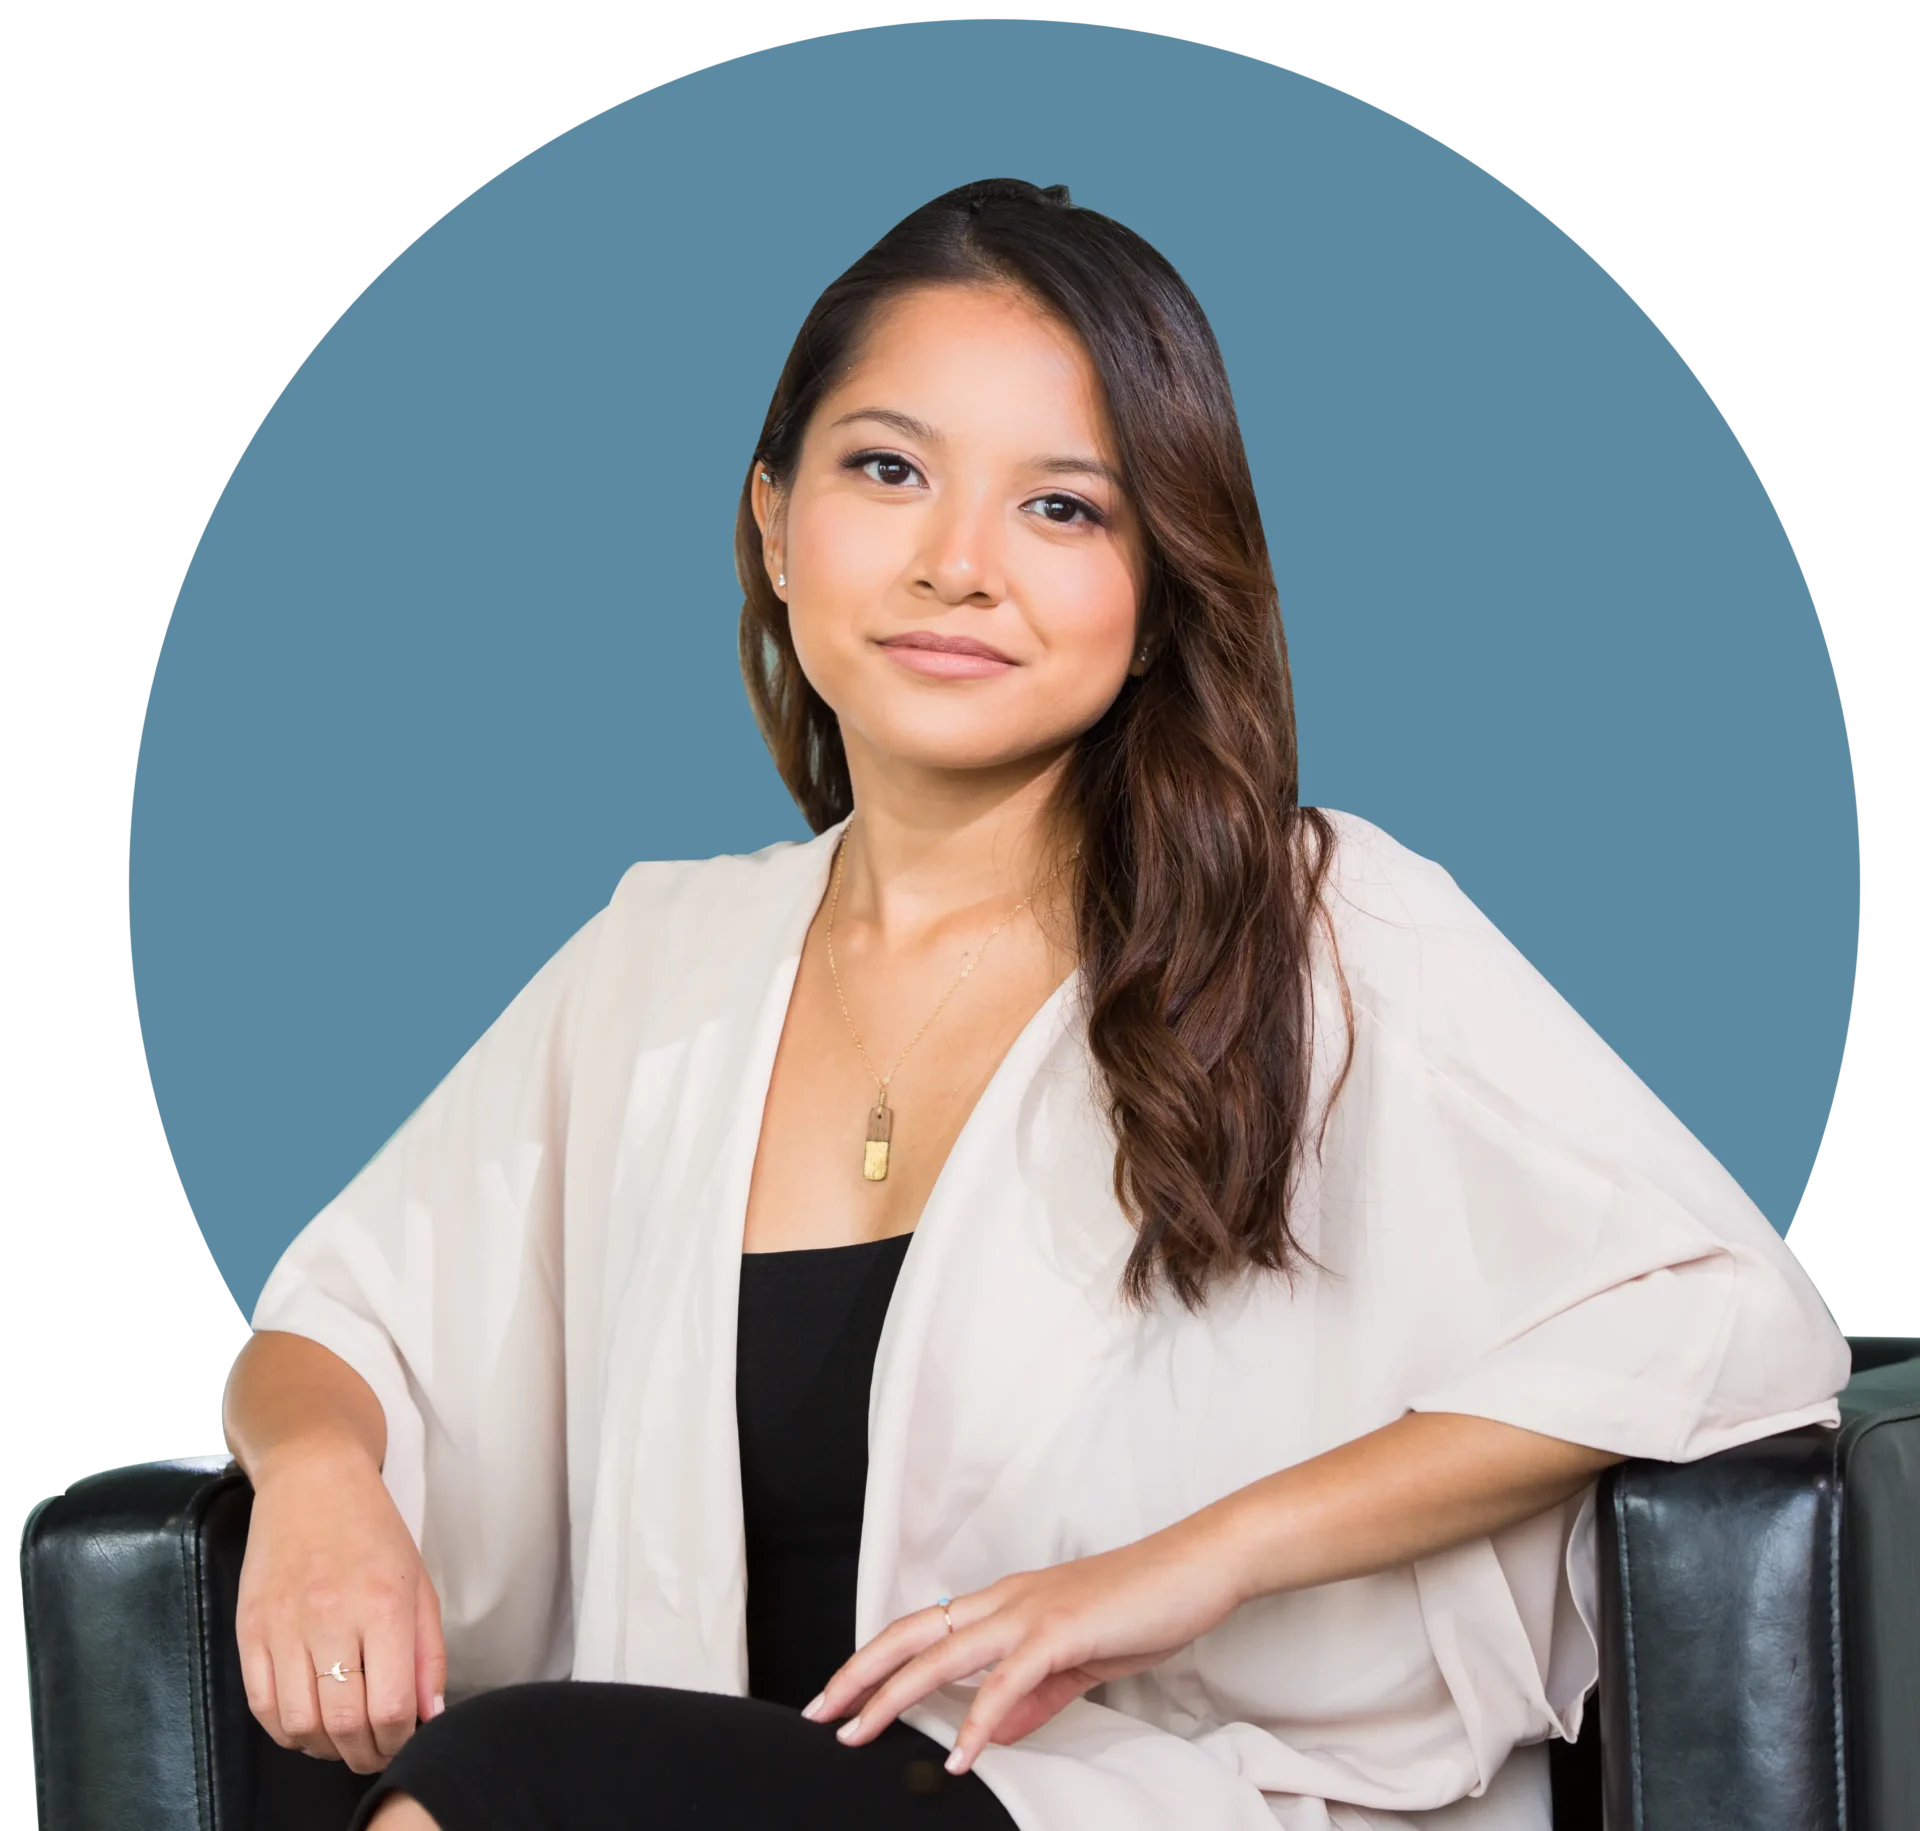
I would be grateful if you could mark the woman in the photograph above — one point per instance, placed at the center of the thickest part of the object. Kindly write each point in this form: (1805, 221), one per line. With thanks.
(1085, 1264)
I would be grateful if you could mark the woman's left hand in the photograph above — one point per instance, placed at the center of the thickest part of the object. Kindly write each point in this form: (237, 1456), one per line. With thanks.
(1048, 1635)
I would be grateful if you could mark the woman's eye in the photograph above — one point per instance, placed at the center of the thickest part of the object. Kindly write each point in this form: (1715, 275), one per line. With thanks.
(883, 466)
(1072, 505)
(889, 461)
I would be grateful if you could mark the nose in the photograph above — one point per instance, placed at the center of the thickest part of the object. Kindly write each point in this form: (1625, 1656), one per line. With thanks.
(962, 554)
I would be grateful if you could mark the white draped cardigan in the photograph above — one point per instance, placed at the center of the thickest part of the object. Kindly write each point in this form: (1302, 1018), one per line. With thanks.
(538, 1276)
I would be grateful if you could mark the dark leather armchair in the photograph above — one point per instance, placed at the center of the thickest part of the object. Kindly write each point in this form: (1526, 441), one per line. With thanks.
(1760, 1658)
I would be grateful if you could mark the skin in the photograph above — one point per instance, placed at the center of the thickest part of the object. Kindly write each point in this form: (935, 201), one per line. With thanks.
(331, 1571)
(961, 480)
(884, 534)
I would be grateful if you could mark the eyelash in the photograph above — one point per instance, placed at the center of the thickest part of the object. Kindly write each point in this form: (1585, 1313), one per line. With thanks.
(859, 460)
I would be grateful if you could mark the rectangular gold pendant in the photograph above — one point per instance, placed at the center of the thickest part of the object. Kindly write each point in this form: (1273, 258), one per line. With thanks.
(879, 1137)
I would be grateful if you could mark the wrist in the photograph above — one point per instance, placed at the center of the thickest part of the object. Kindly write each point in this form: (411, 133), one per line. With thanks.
(1217, 1541)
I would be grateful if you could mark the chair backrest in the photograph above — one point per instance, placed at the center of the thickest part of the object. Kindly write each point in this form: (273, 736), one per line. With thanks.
(1761, 1624)
(140, 1717)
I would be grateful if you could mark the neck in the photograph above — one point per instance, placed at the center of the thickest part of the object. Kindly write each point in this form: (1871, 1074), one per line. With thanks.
(927, 844)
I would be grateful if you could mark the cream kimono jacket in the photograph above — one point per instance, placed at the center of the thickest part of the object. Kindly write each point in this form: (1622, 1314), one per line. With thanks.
(538, 1275)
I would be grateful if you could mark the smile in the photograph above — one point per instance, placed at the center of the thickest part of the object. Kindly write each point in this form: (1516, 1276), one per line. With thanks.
(946, 657)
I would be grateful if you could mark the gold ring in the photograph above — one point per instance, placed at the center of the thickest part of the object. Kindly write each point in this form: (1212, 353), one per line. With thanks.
(339, 1669)
(941, 1605)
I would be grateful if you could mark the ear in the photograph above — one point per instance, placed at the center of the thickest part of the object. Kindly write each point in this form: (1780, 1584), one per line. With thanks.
(1146, 649)
(1149, 637)
(765, 513)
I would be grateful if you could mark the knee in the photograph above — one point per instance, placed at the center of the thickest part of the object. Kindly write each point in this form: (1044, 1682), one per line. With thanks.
(399, 1813)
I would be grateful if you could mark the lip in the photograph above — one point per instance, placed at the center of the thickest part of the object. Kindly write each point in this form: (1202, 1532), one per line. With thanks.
(945, 657)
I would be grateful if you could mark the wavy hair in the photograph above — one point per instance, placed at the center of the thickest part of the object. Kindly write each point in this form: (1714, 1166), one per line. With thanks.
(1199, 876)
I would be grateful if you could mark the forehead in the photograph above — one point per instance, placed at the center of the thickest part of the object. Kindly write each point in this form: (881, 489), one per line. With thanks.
(975, 358)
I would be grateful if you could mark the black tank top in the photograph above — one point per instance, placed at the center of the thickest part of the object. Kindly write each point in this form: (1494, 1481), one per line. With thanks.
(809, 1326)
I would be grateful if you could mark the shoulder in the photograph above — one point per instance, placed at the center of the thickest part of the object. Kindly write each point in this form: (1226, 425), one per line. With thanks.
(728, 887)
(700, 928)
(1421, 958)
(1372, 878)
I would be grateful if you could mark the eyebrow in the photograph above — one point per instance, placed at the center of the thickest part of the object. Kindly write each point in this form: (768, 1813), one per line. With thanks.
(1065, 464)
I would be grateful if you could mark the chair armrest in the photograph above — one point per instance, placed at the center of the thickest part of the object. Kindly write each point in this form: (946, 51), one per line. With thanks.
(1760, 1625)
(140, 1718)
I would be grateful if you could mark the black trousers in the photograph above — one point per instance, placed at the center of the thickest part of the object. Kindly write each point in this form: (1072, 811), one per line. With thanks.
(572, 1756)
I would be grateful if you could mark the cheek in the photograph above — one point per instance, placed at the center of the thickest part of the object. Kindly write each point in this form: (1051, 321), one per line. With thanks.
(843, 561)
(846, 553)
(1089, 617)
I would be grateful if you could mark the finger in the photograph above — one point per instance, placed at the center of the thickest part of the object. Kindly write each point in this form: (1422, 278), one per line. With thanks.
(256, 1674)
(1047, 1699)
(386, 1639)
(429, 1653)
(955, 1656)
(343, 1707)
(1013, 1680)
(855, 1700)
(900, 1641)
(297, 1700)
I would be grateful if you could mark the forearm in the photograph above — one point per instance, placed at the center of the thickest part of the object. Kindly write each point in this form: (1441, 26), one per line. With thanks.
(1428, 1481)
(289, 1396)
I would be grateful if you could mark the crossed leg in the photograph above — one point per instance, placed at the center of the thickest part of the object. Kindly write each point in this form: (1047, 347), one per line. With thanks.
(578, 1754)
(399, 1813)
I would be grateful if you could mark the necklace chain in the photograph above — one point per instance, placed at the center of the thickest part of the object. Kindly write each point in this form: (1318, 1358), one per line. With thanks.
(883, 1081)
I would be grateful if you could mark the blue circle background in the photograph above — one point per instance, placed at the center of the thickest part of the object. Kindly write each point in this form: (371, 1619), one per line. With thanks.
(458, 642)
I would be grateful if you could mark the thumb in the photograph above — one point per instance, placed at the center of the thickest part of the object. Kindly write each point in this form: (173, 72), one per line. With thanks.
(429, 1652)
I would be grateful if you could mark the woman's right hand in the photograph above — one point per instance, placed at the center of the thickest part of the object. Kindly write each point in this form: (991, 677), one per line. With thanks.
(332, 1574)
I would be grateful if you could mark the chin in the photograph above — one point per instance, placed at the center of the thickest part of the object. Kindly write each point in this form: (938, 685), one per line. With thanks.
(948, 750)
(921, 738)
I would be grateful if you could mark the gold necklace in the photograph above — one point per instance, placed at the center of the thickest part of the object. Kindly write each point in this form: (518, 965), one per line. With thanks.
(873, 1165)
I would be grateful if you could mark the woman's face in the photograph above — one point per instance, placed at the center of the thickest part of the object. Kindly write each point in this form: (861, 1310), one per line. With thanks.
(963, 571)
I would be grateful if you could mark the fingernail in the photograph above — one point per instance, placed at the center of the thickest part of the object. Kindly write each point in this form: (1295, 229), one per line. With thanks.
(848, 1730)
(956, 1763)
(812, 1711)
(439, 1703)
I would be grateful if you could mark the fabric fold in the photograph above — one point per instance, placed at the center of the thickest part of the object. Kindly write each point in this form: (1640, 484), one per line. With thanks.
(538, 1277)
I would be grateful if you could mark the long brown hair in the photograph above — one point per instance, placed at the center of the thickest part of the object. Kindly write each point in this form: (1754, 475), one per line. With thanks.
(1199, 876)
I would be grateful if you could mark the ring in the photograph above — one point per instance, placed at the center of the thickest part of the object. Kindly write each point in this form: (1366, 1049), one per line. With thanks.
(339, 1669)
(941, 1605)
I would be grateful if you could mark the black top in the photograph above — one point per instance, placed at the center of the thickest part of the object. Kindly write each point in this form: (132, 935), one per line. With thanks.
(809, 1326)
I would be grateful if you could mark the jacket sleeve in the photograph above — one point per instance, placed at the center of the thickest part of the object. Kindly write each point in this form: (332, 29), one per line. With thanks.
(1545, 1244)
(1587, 1268)
(436, 1275)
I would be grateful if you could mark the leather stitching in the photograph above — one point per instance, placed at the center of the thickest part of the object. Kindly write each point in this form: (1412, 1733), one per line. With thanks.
(205, 1777)
(185, 1548)
(1834, 1630)
(1622, 1532)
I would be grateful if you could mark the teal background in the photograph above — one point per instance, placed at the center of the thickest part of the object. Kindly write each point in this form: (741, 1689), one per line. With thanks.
(457, 644)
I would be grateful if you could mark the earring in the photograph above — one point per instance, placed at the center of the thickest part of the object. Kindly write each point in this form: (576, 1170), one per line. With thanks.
(766, 476)
(781, 580)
